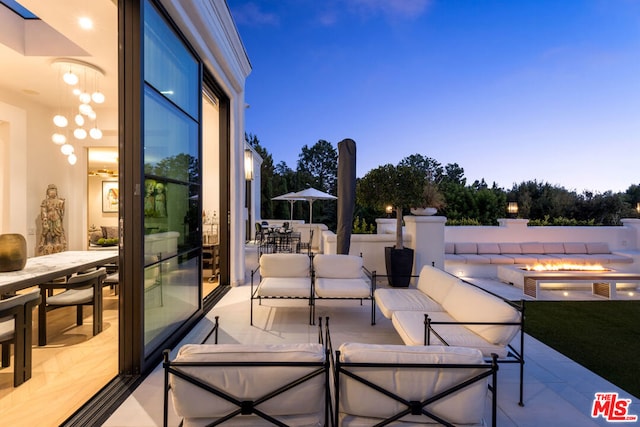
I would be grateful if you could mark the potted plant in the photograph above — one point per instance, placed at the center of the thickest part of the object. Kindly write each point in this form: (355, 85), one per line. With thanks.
(432, 200)
(402, 187)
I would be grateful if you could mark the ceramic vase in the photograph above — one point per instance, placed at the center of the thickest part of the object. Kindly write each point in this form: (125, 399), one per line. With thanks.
(13, 252)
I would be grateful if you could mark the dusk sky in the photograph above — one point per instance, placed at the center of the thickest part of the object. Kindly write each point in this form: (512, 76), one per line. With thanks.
(511, 91)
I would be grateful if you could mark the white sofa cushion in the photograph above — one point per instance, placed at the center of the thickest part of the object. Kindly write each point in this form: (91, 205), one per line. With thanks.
(298, 287)
(575, 248)
(334, 266)
(248, 383)
(463, 407)
(553, 247)
(285, 265)
(488, 248)
(466, 303)
(532, 248)
(466, 248)
(598, 248)
(449, 248)
(410, 326)
(435, 283)
(390, 300)
(510, 248)
(342, 288)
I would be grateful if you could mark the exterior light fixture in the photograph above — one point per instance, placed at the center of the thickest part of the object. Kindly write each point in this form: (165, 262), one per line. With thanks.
(638, 208)
(248, 165)
(512, 208)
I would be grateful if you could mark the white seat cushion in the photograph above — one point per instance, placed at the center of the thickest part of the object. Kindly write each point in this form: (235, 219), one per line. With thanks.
(390, 300)
(342, 288)
(299, 287)
(410, 327)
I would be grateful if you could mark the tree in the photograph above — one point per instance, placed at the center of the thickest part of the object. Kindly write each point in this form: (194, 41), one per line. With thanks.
(399, 186)
(318, 166)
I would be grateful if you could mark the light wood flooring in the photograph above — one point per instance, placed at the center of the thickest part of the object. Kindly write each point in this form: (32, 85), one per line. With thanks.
(68, 371)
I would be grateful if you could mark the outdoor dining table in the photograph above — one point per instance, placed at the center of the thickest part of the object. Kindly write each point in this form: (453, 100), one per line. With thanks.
(277, 241)
(49, 267)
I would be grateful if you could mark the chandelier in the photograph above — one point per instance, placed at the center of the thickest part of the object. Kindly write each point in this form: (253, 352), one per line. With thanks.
(78, 81)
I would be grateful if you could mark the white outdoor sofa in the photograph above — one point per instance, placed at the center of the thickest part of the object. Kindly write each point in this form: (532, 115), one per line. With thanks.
(283, 276)
(249, 384)
(444, 310)
(342, 277)
(482, 258)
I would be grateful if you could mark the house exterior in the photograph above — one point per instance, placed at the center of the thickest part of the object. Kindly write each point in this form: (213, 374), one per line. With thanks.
(171, 151)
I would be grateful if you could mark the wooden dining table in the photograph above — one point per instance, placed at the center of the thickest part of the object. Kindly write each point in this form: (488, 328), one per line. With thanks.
(49, 267)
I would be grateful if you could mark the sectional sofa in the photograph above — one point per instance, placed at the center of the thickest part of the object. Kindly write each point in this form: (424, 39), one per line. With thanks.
(444, 310)
(481, 259)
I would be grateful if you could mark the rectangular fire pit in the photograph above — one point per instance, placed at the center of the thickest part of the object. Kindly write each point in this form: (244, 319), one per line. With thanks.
(603, 283)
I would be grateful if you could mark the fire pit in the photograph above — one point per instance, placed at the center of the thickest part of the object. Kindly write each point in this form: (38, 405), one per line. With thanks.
(602, 281)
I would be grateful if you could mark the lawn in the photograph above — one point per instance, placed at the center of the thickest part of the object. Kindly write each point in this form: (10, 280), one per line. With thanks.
(603, 336)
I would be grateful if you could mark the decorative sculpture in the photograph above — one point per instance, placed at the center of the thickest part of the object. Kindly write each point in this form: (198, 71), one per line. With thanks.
(53, 237)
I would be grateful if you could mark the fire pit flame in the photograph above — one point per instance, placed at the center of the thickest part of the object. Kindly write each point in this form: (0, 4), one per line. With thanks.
(565, 267)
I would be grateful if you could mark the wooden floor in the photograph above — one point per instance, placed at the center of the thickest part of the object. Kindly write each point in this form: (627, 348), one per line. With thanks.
(68, 371)
(72, 367)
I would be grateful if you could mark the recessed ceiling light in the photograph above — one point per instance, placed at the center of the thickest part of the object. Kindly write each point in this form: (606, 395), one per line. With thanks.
(85, 23)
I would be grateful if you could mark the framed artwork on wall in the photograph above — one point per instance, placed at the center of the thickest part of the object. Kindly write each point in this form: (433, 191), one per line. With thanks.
(109, 196)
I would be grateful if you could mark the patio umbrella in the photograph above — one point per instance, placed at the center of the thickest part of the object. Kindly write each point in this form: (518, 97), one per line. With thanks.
(346, 193)
(311, 195)
(290, 198)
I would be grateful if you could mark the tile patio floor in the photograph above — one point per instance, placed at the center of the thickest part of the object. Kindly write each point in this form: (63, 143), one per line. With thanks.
(557, 391)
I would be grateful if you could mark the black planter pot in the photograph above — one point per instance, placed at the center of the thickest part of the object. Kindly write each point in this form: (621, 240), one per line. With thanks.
(399, 263)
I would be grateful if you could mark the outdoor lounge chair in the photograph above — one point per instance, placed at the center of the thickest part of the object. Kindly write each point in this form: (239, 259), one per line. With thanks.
(342, 277)
(283, 276)
(249, 385)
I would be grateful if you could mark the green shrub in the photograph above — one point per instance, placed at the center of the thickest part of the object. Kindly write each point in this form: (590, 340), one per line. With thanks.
(360, 226)
(463, 221)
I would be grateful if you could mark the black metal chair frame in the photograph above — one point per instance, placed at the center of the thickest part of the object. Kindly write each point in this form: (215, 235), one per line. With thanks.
(22, 316)
(245, 407)
(513, 356)
(94, 280)
(260, 298)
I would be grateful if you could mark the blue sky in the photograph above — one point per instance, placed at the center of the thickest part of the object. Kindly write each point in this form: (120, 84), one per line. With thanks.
(511, 90)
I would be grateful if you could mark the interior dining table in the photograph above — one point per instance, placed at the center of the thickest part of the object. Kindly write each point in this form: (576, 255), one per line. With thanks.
(44, 268)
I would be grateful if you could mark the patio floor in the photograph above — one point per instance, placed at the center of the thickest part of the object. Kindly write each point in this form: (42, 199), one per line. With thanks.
(557, 391)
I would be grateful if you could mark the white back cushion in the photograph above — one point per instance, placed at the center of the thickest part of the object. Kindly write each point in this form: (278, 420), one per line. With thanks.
(332, 266)
(285, 265)
(435, 283)
(598, 248)
(248, 383)
(463, 407)
(466, 303)
(553, 247)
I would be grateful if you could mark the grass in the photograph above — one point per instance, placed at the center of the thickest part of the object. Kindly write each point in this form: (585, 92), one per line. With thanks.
(603, 336)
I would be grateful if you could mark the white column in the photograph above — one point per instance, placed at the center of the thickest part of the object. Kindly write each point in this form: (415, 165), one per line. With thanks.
(427, 240)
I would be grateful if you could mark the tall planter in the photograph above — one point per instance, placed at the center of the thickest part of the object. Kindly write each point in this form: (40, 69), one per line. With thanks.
(13, 252)
(399, 263)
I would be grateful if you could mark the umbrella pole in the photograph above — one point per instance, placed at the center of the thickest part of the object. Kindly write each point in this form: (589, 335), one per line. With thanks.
(291, 202)
(311, 211)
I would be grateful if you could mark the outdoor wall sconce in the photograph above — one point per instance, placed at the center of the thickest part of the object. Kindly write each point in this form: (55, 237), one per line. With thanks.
(638, 208)
(248, 165)
(388, 210)
(512, 208)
